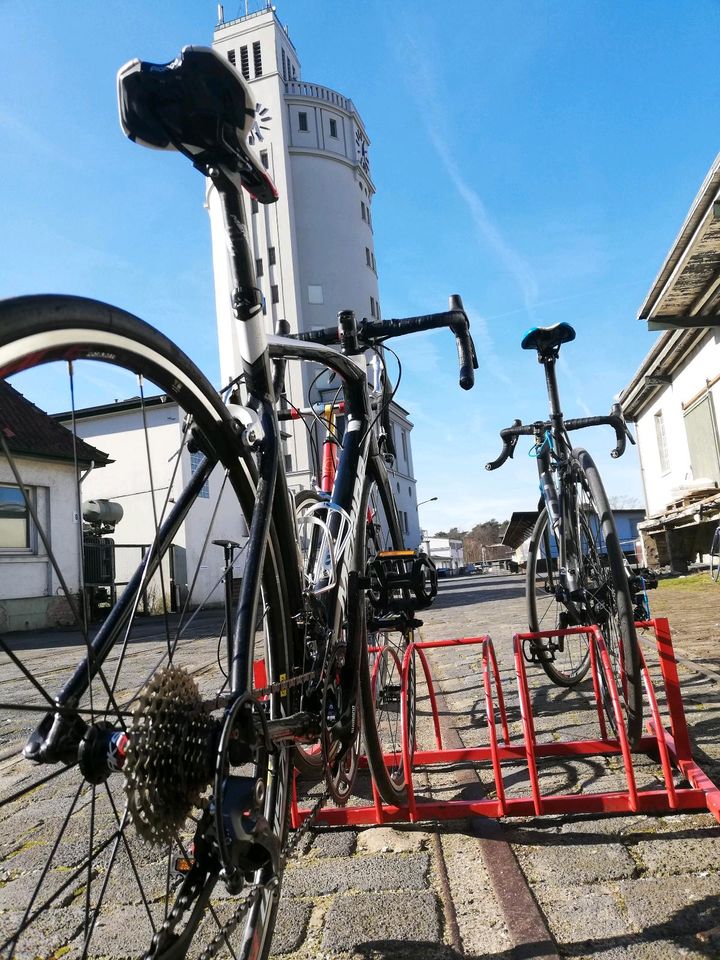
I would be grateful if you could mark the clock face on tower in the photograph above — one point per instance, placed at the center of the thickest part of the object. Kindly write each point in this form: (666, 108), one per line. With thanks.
(361, 146)
(261, 122)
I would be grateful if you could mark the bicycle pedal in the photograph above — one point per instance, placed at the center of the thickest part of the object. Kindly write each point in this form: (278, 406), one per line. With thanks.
(402, 581)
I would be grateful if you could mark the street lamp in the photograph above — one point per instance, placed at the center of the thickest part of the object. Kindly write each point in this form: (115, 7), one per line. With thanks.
(427, 501)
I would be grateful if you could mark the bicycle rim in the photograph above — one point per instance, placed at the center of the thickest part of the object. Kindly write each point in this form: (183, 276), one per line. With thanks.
(565, 660)
(607, 601)
(91, 866)
(382, 696)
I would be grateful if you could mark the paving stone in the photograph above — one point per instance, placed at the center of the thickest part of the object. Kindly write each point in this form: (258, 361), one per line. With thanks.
(291, 925)
(392, 840)
(582, 913)
(668, 855)
(660, 907)
(402, 925)
(576, 863)
(380, 872)
(334, 844)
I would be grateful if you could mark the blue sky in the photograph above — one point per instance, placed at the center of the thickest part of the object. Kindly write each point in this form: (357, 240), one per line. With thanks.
(536, 157)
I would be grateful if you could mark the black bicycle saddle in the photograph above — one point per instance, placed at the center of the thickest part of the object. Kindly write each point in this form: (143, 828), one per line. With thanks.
(548, 339)
(199, 105)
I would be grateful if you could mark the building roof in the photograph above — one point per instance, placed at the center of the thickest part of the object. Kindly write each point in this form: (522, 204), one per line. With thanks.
(119, 406)
(30, 432)
(684, 299)
(520, 527)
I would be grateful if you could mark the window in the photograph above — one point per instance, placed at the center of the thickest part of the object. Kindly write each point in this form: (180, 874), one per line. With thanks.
(377, 309)
(363, 214)
(195, 461)
(275, 293)
(333, 128)
(373, 263)
(367, 256)
(258, 267)
(661, 442)
(315, 293)
(231, 56)
(253, 205)
(257, 58)
(264, 159)
(372, 306)
(288, 462)
(244, 63)
(271, 256)
(403, 438)
(284, 67)
(368, 215)
(14, 519)
(302, 120)
(405, 522)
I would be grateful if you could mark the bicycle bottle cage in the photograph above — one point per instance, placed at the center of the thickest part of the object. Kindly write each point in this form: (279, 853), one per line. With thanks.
(322, 550)
(402, 580)
(199, 105)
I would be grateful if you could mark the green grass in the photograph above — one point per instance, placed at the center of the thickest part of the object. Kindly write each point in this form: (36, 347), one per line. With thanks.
(691, 582)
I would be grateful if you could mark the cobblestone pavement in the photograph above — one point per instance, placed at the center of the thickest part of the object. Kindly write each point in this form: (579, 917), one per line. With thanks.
(599, 887)
(635, 887)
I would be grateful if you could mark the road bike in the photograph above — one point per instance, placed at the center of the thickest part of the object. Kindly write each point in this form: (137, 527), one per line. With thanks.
(574, 549)
(146, 793)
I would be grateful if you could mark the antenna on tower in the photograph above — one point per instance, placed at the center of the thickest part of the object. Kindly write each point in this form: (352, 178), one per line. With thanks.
(221, 13)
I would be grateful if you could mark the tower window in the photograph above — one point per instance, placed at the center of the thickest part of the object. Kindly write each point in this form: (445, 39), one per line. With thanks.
(372, 306)
(244, 63)
(275, 293)
(363, 211)
(271, 256)
(333, 128)
(264, 158)
(372, 256)
(302, 121)
(231, 56)
(258, 267)
(257, 58)
(367, 255)
(284, 67)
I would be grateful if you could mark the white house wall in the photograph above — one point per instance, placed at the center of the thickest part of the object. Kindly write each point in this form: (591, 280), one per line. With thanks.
(31, 575)
(661, 487)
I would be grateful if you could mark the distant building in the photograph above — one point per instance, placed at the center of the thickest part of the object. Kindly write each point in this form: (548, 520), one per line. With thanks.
(446, 554)
(314, 249)
(673, 397)
(51, 467)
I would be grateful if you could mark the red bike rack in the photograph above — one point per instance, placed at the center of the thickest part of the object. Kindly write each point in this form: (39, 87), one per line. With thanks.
(671, 746)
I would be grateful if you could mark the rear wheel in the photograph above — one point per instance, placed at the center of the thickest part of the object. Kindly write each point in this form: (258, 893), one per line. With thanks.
(104, 802)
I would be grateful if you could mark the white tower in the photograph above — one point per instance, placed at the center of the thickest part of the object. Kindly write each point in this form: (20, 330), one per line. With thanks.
(314, 248)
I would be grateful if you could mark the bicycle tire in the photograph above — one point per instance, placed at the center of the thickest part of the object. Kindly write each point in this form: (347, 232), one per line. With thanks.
(715, 555)
(607, 584)
(566, 660)
(381, 693)
(113, 872)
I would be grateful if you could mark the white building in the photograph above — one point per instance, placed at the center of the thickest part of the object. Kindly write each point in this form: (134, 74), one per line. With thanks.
(119, 428)
(673, 398)
(314, 248)
(31, 594)
(446, 554)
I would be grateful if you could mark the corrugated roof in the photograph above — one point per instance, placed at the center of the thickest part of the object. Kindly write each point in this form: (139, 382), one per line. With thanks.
(28, 431)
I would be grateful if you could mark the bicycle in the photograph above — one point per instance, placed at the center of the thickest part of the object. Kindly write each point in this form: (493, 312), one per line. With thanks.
(166, 757)
(574, 546)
